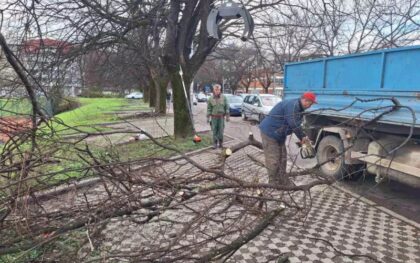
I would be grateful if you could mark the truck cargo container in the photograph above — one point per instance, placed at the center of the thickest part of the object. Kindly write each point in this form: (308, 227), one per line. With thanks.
(367, 112)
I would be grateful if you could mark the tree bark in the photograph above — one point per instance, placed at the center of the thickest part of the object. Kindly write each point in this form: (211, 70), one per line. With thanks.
(160, 79)
(161, 84)
(180, 36)
(152, 94)
(146, 93)
(182, 123)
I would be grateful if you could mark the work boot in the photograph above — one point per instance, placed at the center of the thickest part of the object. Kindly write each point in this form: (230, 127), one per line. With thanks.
(215, 144)
(220, 143)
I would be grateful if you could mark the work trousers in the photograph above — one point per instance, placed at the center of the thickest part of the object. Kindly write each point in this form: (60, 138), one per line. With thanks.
(218, 126)
(275, 160)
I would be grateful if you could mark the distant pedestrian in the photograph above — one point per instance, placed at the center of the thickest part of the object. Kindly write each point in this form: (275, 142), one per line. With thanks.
(284, 119)
(168, 99)
(217, 111)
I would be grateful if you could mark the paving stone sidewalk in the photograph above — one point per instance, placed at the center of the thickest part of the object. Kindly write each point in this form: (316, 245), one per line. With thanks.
(337, 225)
(351, 227)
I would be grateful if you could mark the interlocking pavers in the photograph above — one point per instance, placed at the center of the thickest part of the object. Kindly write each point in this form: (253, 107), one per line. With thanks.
(336, 219)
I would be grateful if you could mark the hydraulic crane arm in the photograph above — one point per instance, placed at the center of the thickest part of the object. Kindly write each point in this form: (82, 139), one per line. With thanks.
(229, 11)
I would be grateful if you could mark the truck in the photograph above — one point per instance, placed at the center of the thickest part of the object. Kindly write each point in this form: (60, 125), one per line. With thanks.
(366, 118)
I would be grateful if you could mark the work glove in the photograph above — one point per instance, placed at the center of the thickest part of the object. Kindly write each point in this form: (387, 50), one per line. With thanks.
(306, 140)
(306, 149)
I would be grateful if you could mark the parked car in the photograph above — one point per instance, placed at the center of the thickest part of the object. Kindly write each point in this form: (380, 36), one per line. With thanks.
(194, 99)
(257, 106)
(134, 95)
(235, 104)
(201, 97)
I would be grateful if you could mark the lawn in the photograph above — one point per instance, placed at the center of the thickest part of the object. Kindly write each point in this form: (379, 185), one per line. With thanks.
(92, 110)
(11, 107)
(146, 148)
(98, 110)
(95, 111)
(75, 168)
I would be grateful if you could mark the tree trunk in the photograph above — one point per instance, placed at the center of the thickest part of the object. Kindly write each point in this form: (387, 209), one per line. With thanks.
(146, 93)
(161, 84)
(265, 89)
(182, 125)
(152, 93)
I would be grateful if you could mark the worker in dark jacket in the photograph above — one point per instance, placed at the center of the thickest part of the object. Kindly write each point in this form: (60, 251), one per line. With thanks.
(284, 119)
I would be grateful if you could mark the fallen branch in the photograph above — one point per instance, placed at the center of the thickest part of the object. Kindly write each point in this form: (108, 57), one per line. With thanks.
(240, 241)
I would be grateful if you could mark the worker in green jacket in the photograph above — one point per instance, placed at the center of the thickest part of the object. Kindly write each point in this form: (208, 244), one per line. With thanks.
(217, 111)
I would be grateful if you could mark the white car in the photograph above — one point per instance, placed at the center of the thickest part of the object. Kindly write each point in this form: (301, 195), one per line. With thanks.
(194, 99)
(201, 97)
(257, 106)
(134, 95)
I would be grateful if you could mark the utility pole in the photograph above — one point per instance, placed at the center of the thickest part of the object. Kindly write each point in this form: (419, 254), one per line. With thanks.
(223, 78)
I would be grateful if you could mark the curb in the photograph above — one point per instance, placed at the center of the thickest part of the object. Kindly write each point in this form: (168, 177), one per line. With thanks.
(59, 190)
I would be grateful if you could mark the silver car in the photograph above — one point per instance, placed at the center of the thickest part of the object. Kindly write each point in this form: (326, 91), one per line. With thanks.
(257, 106)
(134, 95)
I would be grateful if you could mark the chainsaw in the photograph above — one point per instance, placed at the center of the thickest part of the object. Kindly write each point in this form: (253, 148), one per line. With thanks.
(306, 150)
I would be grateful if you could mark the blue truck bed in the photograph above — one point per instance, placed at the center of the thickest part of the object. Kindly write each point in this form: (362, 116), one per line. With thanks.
(337, 81)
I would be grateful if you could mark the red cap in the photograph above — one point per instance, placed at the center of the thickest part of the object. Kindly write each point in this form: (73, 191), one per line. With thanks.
(310, 96)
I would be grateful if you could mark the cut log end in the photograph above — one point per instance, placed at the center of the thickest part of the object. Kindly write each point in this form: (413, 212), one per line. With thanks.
(227, 152)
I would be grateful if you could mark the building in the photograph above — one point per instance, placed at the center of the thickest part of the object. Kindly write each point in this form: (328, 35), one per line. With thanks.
(48, 62)
(10, 85)
(261, 79)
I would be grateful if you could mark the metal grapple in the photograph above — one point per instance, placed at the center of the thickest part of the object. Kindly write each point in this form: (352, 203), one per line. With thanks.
(228, 11)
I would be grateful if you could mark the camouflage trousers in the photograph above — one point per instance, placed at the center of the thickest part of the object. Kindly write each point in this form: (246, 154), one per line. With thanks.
(275, 160)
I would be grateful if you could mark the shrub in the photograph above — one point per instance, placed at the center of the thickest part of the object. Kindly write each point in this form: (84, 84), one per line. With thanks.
(98, 94)
(67, 104)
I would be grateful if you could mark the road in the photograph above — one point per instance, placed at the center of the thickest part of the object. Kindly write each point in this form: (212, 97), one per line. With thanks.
(396, 197)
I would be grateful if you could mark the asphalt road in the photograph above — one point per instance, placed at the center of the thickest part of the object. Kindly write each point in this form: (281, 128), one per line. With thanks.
(399, 198)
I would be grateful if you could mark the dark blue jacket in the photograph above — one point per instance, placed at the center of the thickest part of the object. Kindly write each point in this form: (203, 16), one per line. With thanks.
(283, 119)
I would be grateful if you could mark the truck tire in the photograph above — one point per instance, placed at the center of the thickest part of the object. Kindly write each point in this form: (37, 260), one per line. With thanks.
(329, 147)
(244, 117)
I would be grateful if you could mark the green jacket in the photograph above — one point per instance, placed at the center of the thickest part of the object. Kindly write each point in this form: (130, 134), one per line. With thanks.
(219, 106)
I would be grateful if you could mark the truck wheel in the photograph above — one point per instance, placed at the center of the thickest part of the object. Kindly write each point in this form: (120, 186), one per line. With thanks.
(244, 117)
(328, 149)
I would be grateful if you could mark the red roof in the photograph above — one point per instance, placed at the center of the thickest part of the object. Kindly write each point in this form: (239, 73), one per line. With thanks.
(34, 45)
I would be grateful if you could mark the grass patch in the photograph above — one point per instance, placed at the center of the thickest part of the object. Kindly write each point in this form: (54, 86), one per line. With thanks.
(94, 111)
(12, 107)
(76, 169)
(146, 148)
(63, 249)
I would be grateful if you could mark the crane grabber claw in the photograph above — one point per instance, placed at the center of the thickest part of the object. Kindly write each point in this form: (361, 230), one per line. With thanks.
(228, 11)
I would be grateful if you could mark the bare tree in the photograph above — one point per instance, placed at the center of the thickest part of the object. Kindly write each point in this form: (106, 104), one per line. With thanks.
(173, 202)
(228, 65)
(306, 28)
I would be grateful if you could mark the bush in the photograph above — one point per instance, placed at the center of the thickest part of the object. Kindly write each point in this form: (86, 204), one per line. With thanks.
(67, 104)
(95, 92)
(98, 94)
